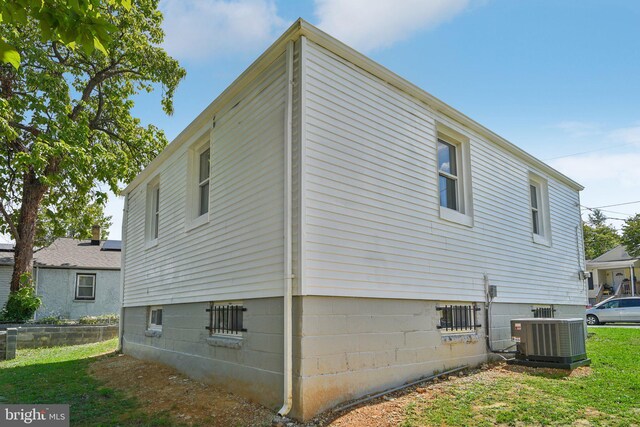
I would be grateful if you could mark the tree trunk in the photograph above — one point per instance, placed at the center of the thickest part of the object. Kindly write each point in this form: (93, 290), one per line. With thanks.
(32, 193)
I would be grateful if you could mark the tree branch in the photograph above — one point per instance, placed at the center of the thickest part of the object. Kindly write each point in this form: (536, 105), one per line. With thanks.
(12, 225)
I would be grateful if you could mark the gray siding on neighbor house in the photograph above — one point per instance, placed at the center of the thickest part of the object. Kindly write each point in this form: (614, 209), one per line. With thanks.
(253, 370)
(57, 287)
(371, 222)
(238, 253)
(5, 283)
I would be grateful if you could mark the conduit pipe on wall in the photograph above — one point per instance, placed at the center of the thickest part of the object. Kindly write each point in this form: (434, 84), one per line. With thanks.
(125, 218)
(288, 275)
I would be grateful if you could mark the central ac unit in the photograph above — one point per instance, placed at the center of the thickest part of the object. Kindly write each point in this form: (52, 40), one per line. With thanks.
(552, 343)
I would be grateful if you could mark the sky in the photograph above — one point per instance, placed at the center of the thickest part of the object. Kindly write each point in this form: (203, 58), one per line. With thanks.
(560, 79)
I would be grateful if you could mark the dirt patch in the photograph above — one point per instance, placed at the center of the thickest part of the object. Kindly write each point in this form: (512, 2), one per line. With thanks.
(160, 388)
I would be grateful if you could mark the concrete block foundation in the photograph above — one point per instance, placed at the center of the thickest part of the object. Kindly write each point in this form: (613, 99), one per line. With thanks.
(344, 348)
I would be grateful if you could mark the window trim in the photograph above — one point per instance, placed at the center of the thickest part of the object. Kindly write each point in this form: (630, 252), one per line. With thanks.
(543, 236)
(81, 298)
(193, 217)
(464, 214)
(152, 223)
(150, 323)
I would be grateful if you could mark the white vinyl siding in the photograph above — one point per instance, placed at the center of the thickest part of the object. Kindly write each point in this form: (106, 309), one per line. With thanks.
(238, 253)
(5, 280)
(371, 219)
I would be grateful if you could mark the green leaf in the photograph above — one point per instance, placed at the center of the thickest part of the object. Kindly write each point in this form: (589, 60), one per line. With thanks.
(9, 55)
(99, 46)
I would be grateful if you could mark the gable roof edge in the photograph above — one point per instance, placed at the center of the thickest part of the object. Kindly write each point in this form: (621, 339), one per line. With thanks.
(302, 28)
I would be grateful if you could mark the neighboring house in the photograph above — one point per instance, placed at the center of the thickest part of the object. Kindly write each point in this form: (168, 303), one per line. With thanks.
(6, 269)
(613, 273)
(74, 278)
(390, 217)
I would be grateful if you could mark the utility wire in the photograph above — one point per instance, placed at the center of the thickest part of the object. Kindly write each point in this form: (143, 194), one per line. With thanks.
(617, 204)
(587, 152)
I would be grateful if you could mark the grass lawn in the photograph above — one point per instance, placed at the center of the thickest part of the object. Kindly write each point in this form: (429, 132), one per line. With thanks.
(59, 375)
(608, 395)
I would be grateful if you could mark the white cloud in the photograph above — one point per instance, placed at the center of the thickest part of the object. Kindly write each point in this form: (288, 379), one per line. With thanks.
(630, 135)
(608, 179)
(200, 29)
(577, 129)
(371, 24)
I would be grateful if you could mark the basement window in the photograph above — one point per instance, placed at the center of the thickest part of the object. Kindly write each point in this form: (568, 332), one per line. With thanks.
(458, 318)
(226, 319)
(155, 318)
(543, 311)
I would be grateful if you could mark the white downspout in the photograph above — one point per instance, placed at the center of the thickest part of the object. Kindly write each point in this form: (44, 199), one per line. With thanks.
(125, 218)
(288, 276)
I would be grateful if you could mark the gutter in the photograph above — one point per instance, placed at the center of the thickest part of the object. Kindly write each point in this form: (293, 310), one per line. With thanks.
(125, 218)
(288, 274)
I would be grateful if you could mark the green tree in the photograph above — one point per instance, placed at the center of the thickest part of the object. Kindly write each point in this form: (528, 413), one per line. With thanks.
(599, 237)
(66, 124)
(74, 23)
(631, 235)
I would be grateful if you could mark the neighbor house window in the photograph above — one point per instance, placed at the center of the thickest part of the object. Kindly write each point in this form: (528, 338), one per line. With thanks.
(539, 209)
(226, 318)
(85, 286)
(458, 317)
(153, 210)
(454, 176)
(155, 318)
(203, 181)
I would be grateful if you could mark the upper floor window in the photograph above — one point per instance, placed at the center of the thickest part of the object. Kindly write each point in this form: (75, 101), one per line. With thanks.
(153, 211)
(454, 176)
(203, 181)
(539, 210)
(448, 175)
(198, 184)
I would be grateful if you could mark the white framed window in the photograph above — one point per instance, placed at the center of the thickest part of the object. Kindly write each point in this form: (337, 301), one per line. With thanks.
(448, 181)
(198, 184)
(155, 318)
(153, 212)
(204, 171)
(85, 286)
(226, 318)
(539, 210)
(454, 176)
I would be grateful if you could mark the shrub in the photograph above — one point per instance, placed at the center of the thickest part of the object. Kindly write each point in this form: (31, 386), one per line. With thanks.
(22, 304)
(51, 320)
(104, 319)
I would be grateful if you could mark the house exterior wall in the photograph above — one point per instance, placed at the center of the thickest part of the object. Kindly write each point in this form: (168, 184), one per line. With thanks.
(253, 370)
(57, 288)
(370, 212)
(239, 251)
(5, 283)
(351, 347)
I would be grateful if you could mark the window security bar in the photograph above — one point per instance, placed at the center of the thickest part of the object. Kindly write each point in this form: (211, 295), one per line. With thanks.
(225, 319)
(543, 312)
(458, 317)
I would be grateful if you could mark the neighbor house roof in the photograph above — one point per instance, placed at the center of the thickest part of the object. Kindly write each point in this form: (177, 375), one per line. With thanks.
(71, 253)
(302, 28)
(614, 258)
